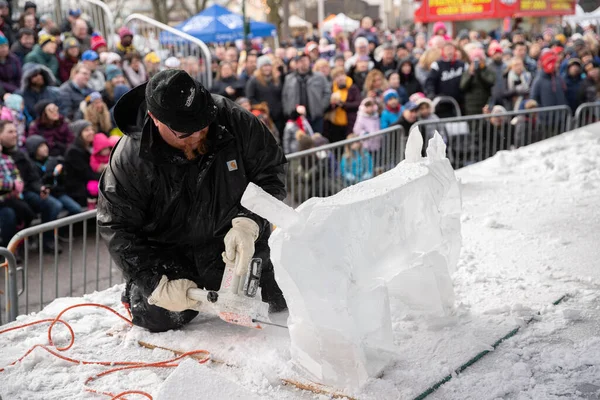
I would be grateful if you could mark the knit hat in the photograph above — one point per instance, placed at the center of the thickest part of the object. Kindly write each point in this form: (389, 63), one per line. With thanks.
(388, 94)
(33, 143)
(92, 97)
(494, 48)
(497, 109)
(112, 71)
(75, 12)
(548, 61)
(41, 105)
(172, 62)
(29, 4)
(14, 102)
(69, 43)
(44, 39)
(262, 61)
(361, 42)
(415, 97)
(78, 126)
(97, 41)
(561, 38)
(410, 106)
(424, 100)
(89, 55)
(125, 31)
(152, 58)
(3, 40)
(119, 91)
(108, 58)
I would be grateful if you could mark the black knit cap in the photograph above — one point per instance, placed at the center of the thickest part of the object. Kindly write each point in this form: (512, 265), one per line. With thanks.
(180, 102)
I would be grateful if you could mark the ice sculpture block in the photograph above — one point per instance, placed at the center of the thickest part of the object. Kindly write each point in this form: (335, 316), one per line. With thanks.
(345, 260)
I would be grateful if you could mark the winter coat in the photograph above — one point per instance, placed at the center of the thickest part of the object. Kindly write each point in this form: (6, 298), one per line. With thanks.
(48, 92)
(258, 93)
(388, 117)
(366, 124)
(444, 79)
(44, 170)
(498, 90)
(29, 175)
(97, 81)
(357, 167)
(101, 121)
(421, 74)
(386, 67)
(78, 171)
(404, 124)
(588, 92)
(65, 66)
(173, 221)
(548, 90)
(573, 91)
(517, 88)
(477, 89)
(318, 94)
(290, 144)
(238, 85)
(134, 78)
(350, 106)
(101, 142)
(58, 137)
(20, 51)
(37, 56)
(71, 97)
(9, 174)
(10, 73)
(410, 82)
(8, 33)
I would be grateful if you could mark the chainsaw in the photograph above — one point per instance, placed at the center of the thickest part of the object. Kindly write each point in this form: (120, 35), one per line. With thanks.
(236, 301)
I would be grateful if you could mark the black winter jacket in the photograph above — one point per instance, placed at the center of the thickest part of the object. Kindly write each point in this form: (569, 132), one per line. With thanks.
(258, 93)
(162, 214)
(44, 171)
(78, 172)
(220, 85)
(444, 79)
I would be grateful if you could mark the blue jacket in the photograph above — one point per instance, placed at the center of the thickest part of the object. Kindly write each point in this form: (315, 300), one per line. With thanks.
(573, 89)
(548, 90)
(357, 168)
(388, 117)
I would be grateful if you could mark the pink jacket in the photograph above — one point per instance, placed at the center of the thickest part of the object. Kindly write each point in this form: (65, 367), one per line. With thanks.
(101, 142)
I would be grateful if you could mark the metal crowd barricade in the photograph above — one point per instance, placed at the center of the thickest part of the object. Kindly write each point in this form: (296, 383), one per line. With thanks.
(317, 172)
(84, 264)
(166, 41)
(10, 286)
(477, 137)
(96, 12)
(586, 113)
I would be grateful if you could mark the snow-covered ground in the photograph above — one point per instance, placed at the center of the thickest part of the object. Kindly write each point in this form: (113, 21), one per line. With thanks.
(531, 228)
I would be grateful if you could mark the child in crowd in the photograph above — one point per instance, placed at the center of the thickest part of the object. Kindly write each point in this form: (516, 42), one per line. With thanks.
(11, 189)
(356, 164)
(98, 162)
(368, 121)
(392, 110)
(295, 125)
(13, 110)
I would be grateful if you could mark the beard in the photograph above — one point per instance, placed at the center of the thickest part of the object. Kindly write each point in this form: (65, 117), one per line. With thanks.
(192, 150)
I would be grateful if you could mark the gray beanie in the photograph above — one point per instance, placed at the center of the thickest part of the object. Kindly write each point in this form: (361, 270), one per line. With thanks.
(262, 61)
(78, 126)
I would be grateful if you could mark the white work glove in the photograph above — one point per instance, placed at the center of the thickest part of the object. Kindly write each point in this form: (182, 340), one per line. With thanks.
(239, 244)
(172, 295)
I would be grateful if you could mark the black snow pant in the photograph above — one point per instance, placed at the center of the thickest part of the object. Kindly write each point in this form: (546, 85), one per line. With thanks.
(158, 319)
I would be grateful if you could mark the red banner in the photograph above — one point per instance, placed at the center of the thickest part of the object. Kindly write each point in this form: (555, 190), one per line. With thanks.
(461, 10)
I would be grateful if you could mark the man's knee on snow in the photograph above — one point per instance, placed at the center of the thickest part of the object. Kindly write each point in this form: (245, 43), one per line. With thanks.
(154, 318)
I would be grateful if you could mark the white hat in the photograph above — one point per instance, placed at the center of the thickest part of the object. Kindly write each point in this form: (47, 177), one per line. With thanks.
(172, 62)
(107, 58)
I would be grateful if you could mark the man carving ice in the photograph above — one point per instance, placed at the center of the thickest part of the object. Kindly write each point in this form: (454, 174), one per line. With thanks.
(169, 204)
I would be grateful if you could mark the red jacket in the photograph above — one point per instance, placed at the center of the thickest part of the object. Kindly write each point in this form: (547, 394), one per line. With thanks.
(57, 137)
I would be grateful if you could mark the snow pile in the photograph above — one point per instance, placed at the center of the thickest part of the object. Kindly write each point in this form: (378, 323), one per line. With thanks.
(343, 259)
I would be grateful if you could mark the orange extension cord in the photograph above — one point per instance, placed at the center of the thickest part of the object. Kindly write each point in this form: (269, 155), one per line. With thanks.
(122, 365)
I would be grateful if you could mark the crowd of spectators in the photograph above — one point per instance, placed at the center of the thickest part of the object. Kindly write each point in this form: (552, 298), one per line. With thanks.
(59, 81)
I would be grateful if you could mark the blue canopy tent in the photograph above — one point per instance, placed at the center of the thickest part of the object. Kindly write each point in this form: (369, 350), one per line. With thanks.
(218, 24)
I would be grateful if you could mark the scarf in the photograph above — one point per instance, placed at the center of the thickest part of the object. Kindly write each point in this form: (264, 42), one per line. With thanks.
(125, 50)
(395, 110)
(340, 116)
